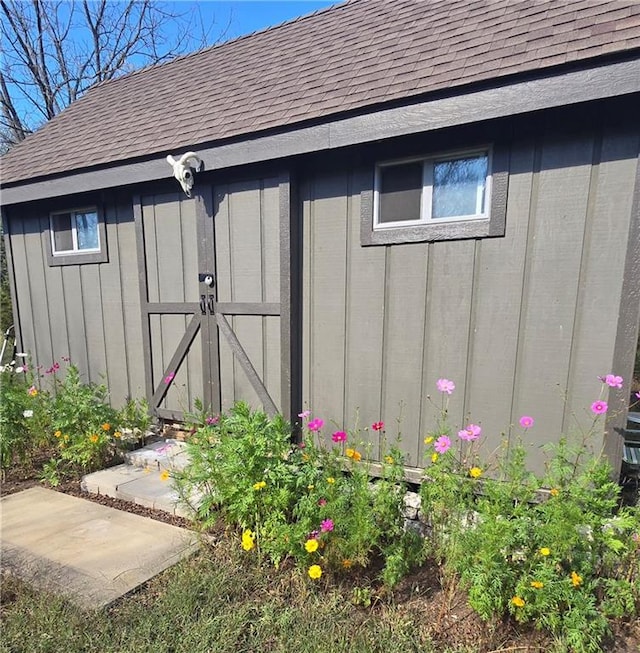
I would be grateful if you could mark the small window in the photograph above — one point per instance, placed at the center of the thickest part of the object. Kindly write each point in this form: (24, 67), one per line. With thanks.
(448, 196)
(438, 189)
(77, 236)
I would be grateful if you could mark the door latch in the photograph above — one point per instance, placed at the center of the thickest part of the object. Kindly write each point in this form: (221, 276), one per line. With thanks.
(206, 278)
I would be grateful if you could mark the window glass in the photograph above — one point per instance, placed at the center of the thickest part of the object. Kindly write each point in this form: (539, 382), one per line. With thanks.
(400, 192)
(62, 232)
(459, 187)
(87, 230)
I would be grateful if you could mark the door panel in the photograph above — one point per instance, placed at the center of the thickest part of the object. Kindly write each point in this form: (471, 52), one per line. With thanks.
(220, 342)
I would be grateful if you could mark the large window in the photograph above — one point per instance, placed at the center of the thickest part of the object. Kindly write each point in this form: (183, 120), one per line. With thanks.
(437, 197)
(77, 236)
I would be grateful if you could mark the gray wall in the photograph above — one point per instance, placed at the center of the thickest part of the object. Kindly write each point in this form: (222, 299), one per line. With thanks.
(523, 324)
(90, 313)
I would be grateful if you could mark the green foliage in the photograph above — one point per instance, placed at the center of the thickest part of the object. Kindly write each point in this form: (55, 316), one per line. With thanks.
(57, 408)
(565, 561)
(24, 416)
(302, 502)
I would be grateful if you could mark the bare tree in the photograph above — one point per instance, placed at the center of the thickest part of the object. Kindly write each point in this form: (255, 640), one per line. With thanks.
(54, 50)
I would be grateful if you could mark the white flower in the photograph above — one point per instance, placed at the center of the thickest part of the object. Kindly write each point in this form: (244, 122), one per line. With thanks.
(27, 413)
(22, 355)
(19, 369)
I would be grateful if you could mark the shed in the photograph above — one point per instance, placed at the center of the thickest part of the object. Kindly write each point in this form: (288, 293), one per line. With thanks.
(393, 191)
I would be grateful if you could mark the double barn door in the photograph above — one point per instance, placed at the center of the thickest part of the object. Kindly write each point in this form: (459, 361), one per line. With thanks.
(215, 296)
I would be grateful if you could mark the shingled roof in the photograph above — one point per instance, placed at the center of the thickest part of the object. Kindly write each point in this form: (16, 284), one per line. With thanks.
(347, 58)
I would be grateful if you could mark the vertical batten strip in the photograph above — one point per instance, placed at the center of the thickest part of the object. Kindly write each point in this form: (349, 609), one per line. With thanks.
(144, 297)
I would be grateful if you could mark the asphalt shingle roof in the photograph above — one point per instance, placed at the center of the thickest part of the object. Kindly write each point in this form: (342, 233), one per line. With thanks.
(346, 58)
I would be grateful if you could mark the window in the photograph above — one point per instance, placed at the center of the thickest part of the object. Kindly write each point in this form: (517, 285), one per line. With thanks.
(77, 236)
(445, 196)
(442, 189)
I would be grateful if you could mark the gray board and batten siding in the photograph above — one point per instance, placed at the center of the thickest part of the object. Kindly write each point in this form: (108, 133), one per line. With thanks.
(89, 313)
(515, 321)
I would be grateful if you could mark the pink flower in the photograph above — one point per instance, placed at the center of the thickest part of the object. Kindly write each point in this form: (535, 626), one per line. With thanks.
(212, 420)
(339, 436)
(322, 503)
(442, 444)
(472, 432)
(304, 414)
(169, 377)
(326, 526)
(444, 385)
(613, 381)
(599, 407)
(637, 395)
(526, 422)
(377, 426)
(313, 535)
(315, 424)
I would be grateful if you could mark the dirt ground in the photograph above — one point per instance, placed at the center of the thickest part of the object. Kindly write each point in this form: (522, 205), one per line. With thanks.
(421, 595)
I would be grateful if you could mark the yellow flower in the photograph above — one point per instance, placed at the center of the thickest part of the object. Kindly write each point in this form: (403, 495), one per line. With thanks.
(388, 460)
(357, 456)
(65, 438)
(311, 546)
(310, 487)
(434, 457)
(537, 584)
(259, 485)
(164, 476)
(545, 551)
(94, 438)
(32, 391)
(117, 435)
(428, 440)
(517, 601)
(57, 434)
(554, 492)
(248, 540)
(346, 563)
(350, 453)
(305, 457)
(315, 571)
(576, 579)
(106, 426)
(475, 472)
(331, 480)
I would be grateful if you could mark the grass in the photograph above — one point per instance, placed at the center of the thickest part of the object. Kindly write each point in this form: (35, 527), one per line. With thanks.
(216, 601)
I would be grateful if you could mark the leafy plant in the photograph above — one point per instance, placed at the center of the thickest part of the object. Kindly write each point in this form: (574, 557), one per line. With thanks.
(303, 502)
(565, 561)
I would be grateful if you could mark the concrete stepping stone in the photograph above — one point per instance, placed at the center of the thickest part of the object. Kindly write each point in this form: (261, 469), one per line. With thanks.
(88, 552)
(164, 454)
(142, 479)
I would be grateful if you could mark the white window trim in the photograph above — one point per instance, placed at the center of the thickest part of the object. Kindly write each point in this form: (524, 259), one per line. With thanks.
(427, 189)
(76, 251)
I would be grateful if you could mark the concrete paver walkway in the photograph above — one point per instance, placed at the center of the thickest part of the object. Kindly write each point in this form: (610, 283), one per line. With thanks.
(145, 478)
(91, 553)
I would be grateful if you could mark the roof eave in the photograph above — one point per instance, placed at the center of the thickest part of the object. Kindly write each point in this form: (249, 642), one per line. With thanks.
(563, 88)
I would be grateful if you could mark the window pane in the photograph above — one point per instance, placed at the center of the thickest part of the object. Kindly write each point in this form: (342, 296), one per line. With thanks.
(400, 192)
(87, 230)
(62, 236)
(459, 187)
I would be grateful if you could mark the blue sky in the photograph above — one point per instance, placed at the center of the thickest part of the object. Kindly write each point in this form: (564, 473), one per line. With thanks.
(248, 16)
